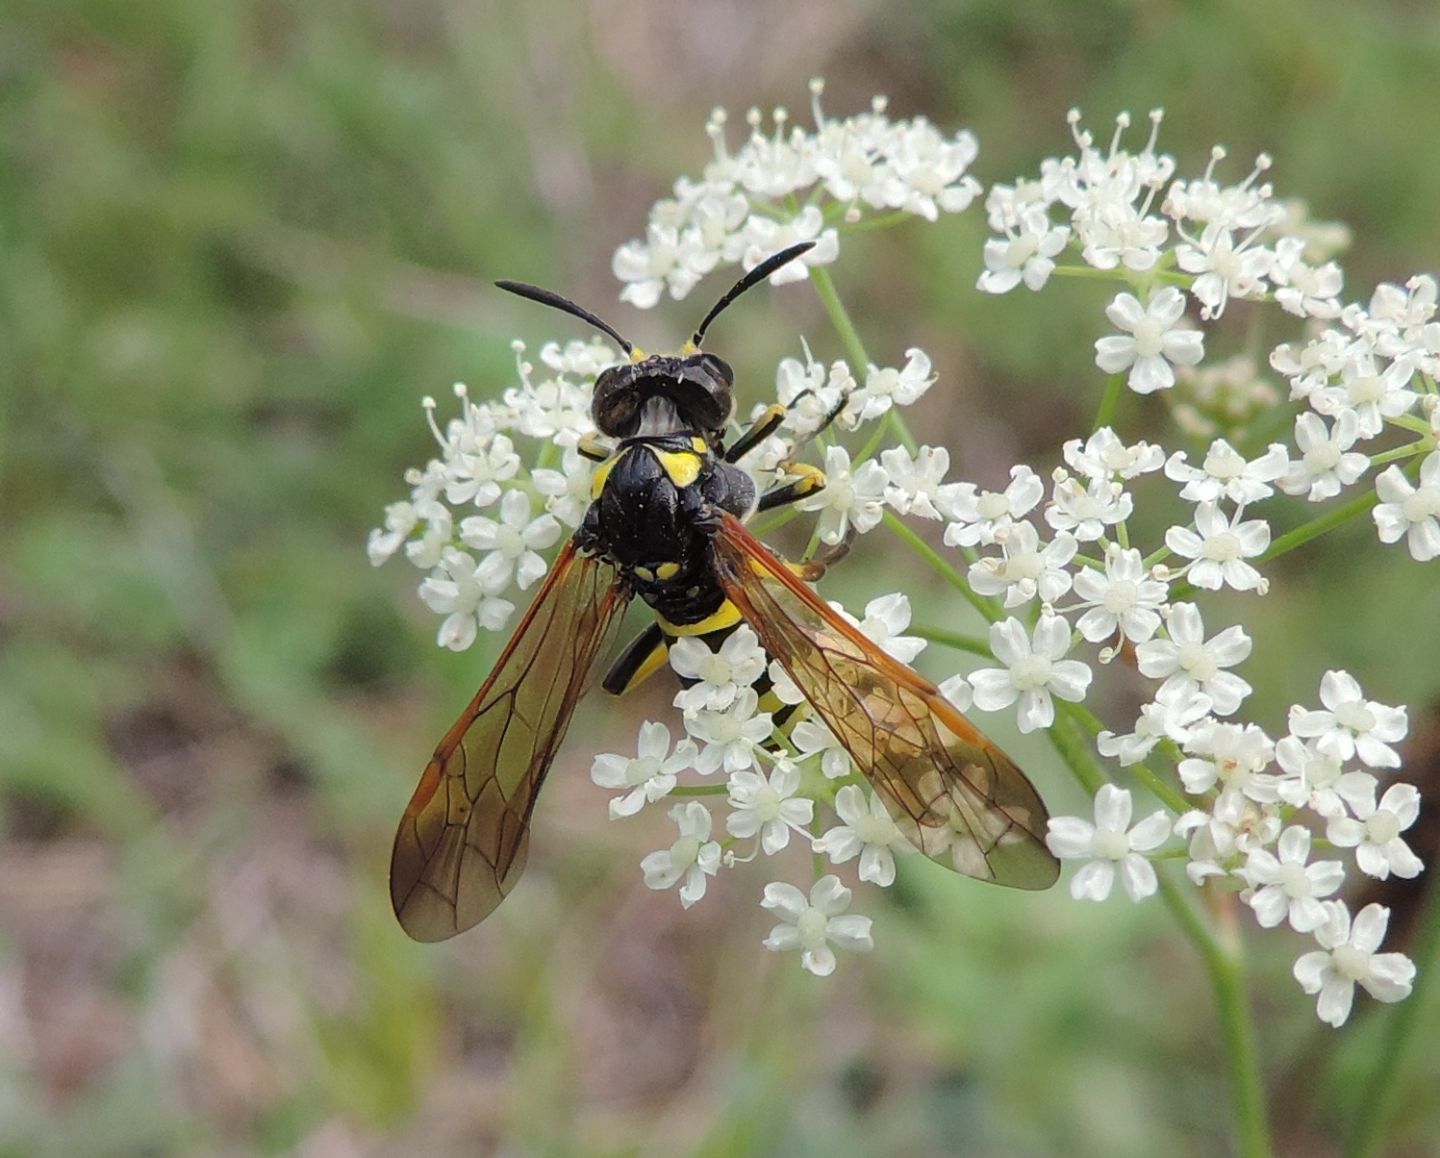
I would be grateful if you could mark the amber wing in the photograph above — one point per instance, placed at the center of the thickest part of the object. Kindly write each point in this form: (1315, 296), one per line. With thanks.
(954, 794)
(462, 842)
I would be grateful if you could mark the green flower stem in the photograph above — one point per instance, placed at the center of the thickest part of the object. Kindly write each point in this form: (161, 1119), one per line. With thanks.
(1169, 277)
(1165, 793)
(1404, 1021)
(1225, 965)
(1409, 450)
(839, 318)
(984, 606)
(865, 224)
(1222, 962)
(700, 790)
(972, 644)
(1110, 402)
(859, 361)
(1317, 527)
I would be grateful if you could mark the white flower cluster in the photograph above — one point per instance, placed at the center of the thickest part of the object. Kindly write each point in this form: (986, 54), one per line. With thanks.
(479, 515)
(1367, 371)
(1055, 561)
(793, 184)
(775, 786)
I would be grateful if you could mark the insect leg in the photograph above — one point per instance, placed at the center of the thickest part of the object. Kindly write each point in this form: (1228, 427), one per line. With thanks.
(806, 481)
(592, 448)
(761, 429)
(643, 657)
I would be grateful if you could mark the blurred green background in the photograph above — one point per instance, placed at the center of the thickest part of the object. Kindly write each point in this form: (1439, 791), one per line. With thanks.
(238, 242)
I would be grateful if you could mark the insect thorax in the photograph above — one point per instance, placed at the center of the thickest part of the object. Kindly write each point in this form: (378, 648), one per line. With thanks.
(648, 516)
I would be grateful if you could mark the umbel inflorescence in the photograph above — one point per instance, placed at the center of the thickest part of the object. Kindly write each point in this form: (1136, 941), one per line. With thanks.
(1281, 812)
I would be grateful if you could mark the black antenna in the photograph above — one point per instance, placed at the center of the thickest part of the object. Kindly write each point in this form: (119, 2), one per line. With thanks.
(547, 298)
(759, 273)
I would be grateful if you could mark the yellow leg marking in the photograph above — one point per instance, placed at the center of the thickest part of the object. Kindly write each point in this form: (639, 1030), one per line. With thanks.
(808, 479)
(653, 663)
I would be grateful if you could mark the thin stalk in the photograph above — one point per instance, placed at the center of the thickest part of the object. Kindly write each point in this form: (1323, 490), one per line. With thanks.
(1110, 401)
(839, 318)
(1222, 962)
(971, 644)
(937, 561)
(1404, 1021)
(1165, 793)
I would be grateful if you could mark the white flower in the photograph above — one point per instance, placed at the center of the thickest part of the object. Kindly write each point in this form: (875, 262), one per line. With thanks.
(809, 393)
(429, 550)
(475, 470)
(1374, 834)
(1219, 547)
(979, 515)
(847, 499)
(1347, 956)
(718, 674)
(1035, 670)
(465, 594)
(730, 736)
(1174, 713)
(1155, 343)
(687, 862)
(811, 925)
(916, 486)
(649, 775)
(811, 737)
(1232, 756)
(1235, 826)
(1086, 509)
(1374, 395)
(891, 387)
(1188, 660)
(768, 807)
(1107, 845)
(886, 617)
(1350, 725)
(1227, 268)
(1318, 781)
(1124, 598)
(1285, 886)
(1303, 289)
(514, 539)
(1327, 463)
(567, 490)
(1226, 474)
(762, 237)
(1024, 254)
(1026, 569)
(869, 831)
(1104, 456)
(1409, 510)
(400, 520)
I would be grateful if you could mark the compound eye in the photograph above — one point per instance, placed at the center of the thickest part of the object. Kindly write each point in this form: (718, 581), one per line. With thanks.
(719, 368)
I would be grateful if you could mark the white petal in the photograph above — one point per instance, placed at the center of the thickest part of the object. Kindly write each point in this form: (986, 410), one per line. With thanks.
(1093, 881)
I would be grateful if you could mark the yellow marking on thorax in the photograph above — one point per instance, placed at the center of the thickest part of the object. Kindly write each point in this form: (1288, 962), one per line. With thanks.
(700, 445)
(602, 474)
(726, 615)
(661, 571)
(683, 466)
